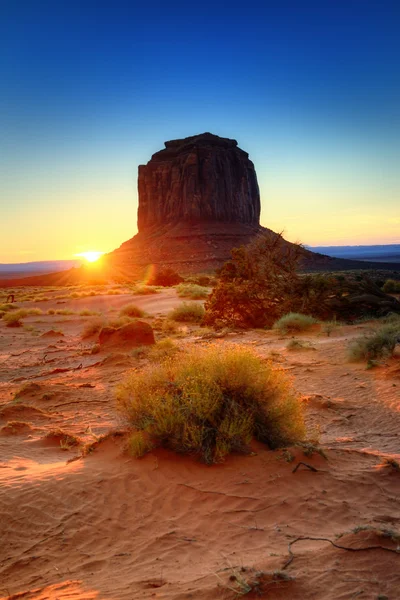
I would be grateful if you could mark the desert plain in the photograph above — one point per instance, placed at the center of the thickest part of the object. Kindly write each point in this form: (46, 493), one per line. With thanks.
(82, 519)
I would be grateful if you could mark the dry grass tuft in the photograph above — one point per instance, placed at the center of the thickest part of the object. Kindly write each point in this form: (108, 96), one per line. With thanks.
(14, 318)
(131, 310)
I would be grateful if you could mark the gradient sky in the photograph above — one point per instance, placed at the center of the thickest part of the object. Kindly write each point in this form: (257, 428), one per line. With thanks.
(90, 89)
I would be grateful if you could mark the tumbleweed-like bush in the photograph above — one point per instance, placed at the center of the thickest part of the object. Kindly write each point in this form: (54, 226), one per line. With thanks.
(294, 322)
(379, 344)
(211, 402)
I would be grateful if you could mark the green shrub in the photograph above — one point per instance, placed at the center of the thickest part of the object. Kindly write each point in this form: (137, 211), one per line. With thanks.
(211, 402)
(391, 286)
(192, 290)
(131, 310)
(391, 318)
(257, 286)
(375, 345)
(165, 278)
(187, 313)
(294, 322)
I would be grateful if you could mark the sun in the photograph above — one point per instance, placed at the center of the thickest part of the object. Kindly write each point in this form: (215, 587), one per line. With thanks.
(91, 256)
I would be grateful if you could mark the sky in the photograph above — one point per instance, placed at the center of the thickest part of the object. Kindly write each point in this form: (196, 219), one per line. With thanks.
(91, 89)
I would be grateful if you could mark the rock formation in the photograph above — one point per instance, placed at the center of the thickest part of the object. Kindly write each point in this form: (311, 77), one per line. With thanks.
(200, 179)
(198, 198)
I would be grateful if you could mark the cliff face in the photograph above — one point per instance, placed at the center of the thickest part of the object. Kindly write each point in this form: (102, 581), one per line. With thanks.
(200, 179)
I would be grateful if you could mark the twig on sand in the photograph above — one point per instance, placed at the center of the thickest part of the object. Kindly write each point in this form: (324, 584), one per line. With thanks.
(323, 539)
(306, 465)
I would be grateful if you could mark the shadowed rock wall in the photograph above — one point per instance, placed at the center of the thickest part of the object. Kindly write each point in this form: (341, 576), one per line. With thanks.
(200, 179)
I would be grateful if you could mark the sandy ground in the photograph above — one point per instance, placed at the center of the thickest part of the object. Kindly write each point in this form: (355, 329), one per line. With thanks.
(166, 526)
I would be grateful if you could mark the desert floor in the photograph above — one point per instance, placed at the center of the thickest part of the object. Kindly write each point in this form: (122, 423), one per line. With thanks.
(165, 526)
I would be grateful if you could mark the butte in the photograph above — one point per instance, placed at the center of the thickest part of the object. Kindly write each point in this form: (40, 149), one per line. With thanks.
(198, 199)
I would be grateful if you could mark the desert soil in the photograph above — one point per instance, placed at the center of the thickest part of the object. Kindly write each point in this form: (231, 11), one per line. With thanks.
(165, 526)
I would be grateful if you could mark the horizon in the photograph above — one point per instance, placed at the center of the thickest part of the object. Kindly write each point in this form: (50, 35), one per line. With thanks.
(311, 92)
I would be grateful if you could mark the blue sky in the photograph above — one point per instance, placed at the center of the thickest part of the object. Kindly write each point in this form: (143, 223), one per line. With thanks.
(89, 90)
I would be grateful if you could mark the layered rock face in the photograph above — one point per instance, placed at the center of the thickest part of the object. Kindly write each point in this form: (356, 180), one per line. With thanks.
(198, 199)
(200, 179)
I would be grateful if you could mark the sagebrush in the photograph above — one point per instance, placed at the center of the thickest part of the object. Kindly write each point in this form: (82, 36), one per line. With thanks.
(211, 402)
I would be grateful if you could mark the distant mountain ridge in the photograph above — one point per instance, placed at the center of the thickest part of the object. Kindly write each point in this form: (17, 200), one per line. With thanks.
(15, 270)
(388, 253)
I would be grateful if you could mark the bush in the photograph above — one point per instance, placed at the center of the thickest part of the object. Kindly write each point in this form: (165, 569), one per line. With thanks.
(165, 278)
(260, 284)
(294, 322)
(212, 402)
(162, 350)
(192, 290)
(7, 307)
(13, 318)
(187, 313)
(379, 344)
(119, 322)
(391, 286)
(144, 290)
(131, 310)
(257, 286)
(92, 327)
(86, 312)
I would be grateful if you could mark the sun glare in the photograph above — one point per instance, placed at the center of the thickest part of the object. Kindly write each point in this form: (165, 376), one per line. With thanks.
(91, 256)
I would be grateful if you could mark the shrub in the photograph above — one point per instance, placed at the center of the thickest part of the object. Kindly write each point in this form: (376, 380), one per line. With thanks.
(144, 290)
(51, 311)
(391, 318)
(294, 322)
(162, 350)
(88, 313)
(131, 310)
(260, 284)
(65, 311)
(92, 327)
(192, 290)
(212, 402)
(119, 321)
(7, 307)
(13, 318)
(256, 287)
(187, 313)
(391, 286)
(202, 280)
(165, 278)
(138, 444)
(375, 345)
